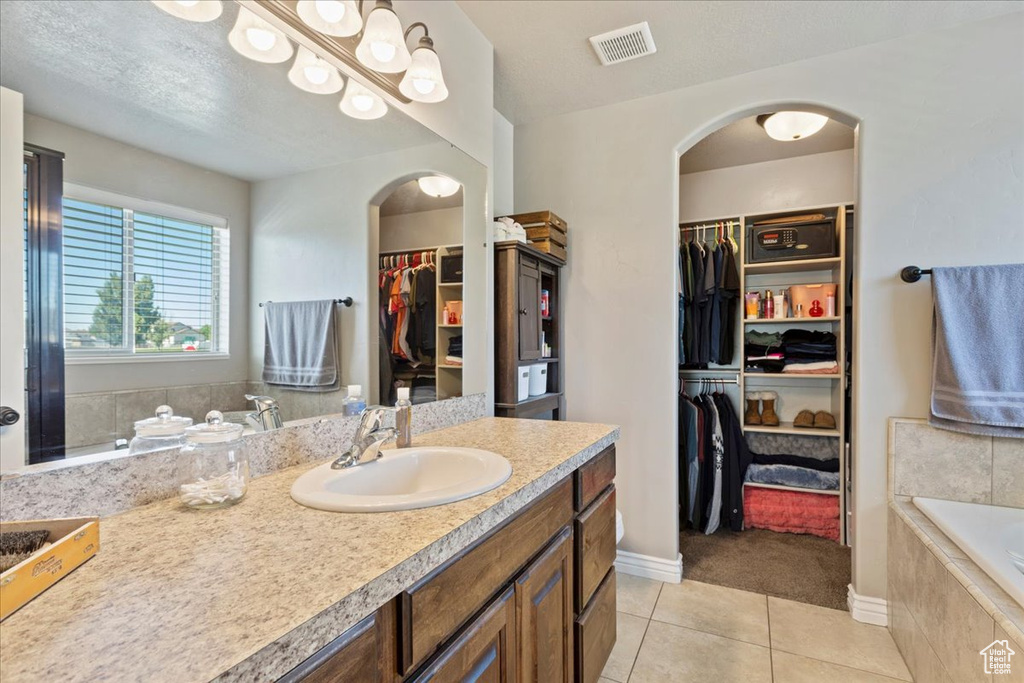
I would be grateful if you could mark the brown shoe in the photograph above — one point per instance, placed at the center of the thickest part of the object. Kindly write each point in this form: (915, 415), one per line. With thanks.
(804, 418)
(769, 418)
(753, 414)
(824, 420)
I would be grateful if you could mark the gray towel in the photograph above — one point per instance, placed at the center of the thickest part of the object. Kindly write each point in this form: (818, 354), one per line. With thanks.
(301, 349)
(978, 376)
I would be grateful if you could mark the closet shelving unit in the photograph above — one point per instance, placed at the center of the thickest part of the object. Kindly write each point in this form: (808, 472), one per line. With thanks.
(796, 392)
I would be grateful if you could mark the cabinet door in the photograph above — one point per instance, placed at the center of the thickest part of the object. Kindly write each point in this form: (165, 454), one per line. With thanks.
(485, 652)
(529, 309)
(544, 615)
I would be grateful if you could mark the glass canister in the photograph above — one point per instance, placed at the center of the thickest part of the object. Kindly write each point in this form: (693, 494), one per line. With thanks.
(213, 470)
(164, 431)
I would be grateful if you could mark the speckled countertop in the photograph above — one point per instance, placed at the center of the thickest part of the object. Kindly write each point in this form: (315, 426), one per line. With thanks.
(248, 592)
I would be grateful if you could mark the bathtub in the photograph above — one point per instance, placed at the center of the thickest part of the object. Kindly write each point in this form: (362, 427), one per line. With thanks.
(992, 536)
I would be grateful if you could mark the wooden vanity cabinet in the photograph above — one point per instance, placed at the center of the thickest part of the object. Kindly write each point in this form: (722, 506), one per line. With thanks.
(531, 602)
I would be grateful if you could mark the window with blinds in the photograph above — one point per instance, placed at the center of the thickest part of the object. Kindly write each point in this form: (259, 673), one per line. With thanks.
(142, 282)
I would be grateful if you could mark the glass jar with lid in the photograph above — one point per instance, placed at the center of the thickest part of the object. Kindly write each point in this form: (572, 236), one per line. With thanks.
(213, 470)
(164, 431)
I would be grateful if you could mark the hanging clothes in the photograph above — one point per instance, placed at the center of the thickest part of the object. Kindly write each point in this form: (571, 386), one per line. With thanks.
(408, 316)
(709, 296)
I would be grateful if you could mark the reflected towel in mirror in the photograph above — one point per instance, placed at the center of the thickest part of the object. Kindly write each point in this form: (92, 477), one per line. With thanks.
(301, 348)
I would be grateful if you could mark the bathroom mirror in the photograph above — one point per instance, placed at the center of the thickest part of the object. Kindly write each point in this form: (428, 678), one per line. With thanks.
(197, 185)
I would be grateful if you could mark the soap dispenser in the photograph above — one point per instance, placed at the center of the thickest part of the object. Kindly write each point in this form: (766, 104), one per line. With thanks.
(403, 418)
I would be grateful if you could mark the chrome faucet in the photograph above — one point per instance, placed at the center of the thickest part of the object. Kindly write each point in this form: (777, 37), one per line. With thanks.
(267, 416)
(368, 440)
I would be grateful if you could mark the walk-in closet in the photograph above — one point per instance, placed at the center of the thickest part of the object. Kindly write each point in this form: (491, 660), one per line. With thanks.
(765, 241)
(420, 287)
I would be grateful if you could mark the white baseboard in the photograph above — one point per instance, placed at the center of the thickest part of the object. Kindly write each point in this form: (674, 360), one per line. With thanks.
(866, 609)
(649, 567)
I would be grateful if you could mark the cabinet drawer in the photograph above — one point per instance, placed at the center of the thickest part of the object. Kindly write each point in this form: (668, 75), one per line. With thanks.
(594, 477)
(485, 651)
(595, 546)
(440, 603)
(366, 653)
(595, 632)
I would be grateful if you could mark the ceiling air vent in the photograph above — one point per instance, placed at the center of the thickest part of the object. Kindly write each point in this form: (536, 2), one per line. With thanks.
(624, 44)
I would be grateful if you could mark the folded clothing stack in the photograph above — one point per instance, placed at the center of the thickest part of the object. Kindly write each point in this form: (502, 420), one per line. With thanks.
(763, 351)
(454, 356)
(809, 352)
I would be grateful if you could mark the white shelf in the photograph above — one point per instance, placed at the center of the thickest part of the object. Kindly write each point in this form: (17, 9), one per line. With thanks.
(798, 489)
(449, 327)
(449, 367)
(787, 375)
(449, 284)
(788, 428)
(833, 263)
(790, 321)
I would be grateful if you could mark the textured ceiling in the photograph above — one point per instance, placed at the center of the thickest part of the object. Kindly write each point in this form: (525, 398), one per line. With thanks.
(408, 198)
(128, 71)
(545, 66)
(745, 142)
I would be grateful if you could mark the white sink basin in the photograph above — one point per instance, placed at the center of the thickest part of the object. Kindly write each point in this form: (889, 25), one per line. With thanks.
(403, 480)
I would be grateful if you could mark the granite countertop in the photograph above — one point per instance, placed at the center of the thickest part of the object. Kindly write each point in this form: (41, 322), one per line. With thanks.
(248, 592)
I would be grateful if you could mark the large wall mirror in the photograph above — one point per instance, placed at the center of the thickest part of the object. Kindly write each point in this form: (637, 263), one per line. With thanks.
(201, 195)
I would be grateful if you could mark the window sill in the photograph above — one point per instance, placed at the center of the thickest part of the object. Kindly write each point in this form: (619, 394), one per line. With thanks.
(72, 359)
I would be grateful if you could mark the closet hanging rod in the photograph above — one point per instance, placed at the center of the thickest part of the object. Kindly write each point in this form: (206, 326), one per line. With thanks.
(707, 226)
(407, 251)
(347, 302)
(712, 380)
(913, 273)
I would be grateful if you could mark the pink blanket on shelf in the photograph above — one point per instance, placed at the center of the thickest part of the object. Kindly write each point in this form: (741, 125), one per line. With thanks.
(791, 512)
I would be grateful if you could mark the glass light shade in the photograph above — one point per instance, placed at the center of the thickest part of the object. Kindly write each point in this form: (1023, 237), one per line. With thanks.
(361, 103)
(793, 125)
(331, 17)
(382, 47)
(254, 38)
(438, 185)
(423, 81)
(192, 10)
(312, 74)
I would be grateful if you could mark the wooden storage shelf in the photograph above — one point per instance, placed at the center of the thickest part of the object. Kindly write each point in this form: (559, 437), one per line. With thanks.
(798, 489)
(788, 428)
(553, 359)
(833, 263)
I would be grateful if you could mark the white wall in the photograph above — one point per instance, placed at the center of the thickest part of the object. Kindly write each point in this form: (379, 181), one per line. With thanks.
(421, 230)
(12, 302)
(101, 163)
(941, 149)
(502, 170)
(327, 220)
(811, 180)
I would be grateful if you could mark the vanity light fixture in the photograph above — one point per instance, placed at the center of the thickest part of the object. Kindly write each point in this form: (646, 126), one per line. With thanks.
(787, 126)
(382, 47)
(423, 80)
(360, 102)
(192, 10)
(438, 185)
(331, 17)
(313, 74)
(258, 40)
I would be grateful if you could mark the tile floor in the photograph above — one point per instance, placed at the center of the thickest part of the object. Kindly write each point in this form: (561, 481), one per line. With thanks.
(696, 631)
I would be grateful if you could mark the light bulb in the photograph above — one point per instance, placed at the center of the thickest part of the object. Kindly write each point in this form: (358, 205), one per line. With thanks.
(187, 3)
(383, 52)
(192, 10)
(260, 38)
(330, 11)
(313, 74)
(424, 86)
(316, 74)
(362, 102)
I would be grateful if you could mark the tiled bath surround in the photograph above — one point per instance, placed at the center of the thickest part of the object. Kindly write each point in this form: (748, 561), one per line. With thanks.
(942, 608)
(104, 485)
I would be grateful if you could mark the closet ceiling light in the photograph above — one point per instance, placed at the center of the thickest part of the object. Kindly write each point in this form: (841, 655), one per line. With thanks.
(423, 81)
(791, 125)
(382, 47)
(361, 103)
(192, 10)
(312, 74)
(331, 17)
(254, 38)
(438, 185)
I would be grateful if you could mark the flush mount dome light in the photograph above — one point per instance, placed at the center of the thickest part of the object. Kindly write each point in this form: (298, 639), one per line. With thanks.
(361, 103)
(192, 10)
(438, 185)
(787, 126)
(331, 17)
(313, 74)
(383, 47)
(256, 39)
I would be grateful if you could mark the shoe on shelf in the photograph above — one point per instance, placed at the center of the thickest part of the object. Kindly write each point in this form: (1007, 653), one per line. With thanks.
(804, 418)
(824, 420)
(769, 418)
(753, 414)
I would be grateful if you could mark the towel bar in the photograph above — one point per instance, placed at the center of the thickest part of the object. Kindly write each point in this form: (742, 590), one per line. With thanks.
(347, 302)
(913, 273)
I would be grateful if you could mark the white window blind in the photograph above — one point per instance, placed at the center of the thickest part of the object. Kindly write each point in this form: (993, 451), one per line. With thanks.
(142, 281)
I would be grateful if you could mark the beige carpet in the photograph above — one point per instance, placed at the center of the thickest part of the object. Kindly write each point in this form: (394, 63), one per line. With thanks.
(793, 566)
